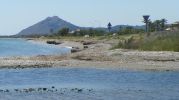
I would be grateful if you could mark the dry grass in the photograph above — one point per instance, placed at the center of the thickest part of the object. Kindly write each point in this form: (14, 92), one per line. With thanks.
(158, 41)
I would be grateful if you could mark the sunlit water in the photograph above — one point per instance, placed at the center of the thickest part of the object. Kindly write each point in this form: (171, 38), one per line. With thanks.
(105, 84)
(21, 47)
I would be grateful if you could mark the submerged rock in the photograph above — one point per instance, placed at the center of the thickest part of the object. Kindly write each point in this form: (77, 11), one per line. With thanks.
(53, 87)
(80, 90)
(6, 90)
(44, 89)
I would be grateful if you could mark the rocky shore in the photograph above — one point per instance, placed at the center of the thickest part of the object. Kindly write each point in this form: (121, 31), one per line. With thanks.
(45, 89)
(97, 54)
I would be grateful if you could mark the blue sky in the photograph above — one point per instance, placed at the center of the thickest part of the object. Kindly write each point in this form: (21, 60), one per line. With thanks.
(16, 15)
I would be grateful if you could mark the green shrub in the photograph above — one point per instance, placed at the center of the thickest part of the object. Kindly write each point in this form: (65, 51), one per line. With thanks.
(163, 41)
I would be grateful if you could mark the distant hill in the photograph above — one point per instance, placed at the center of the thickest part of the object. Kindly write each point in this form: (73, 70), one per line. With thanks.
(53, 24)
(47, 26)
(117, 27)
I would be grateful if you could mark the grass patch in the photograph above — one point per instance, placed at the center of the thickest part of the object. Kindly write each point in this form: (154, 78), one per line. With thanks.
(158, 41)
(170, 43)
(132, 41)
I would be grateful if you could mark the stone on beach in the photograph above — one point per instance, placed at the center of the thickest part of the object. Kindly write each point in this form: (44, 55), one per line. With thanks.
(53, 42)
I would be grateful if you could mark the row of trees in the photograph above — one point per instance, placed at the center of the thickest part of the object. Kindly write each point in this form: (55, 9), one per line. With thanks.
(98, 32)
(129, 30)
(157, 25)
(125, 30)
(91, 32)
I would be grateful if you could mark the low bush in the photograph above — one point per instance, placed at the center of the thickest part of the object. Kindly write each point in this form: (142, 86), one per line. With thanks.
(162, 41)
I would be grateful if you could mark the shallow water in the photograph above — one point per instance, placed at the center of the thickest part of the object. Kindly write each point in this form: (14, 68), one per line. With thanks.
(96, 84)
(21, 47)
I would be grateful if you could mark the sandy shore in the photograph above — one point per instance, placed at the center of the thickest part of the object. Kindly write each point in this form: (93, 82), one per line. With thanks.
(98, 55)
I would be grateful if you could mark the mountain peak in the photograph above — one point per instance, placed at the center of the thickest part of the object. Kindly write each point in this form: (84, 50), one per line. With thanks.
(50, 23)
(53, 17)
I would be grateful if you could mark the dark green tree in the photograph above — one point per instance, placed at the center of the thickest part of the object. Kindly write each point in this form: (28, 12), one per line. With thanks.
(146, 21)
(63, 32)
(152, 27)
(109, 26)
(163, 24)
(157, 24)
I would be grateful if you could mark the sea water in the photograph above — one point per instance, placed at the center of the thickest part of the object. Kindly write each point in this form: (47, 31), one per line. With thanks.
(22, 47)
(105, 84)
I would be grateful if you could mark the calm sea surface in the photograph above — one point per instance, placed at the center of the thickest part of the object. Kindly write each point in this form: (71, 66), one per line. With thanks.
(104, 84)
(21, 47)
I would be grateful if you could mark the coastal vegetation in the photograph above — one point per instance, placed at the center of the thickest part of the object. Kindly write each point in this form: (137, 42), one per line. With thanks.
(156, 41)
(156, 35)
(155, 38)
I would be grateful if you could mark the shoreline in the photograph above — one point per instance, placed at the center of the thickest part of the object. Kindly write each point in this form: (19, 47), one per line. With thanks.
(97, 55)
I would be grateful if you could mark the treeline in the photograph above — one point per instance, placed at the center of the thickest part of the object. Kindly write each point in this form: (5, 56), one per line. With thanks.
(129, 30)
(157, 25)
(96, 32)
(82, 32)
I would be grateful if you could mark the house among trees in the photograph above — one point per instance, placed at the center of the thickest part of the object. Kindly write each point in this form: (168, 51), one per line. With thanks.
(74, 31)
(174, 26)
